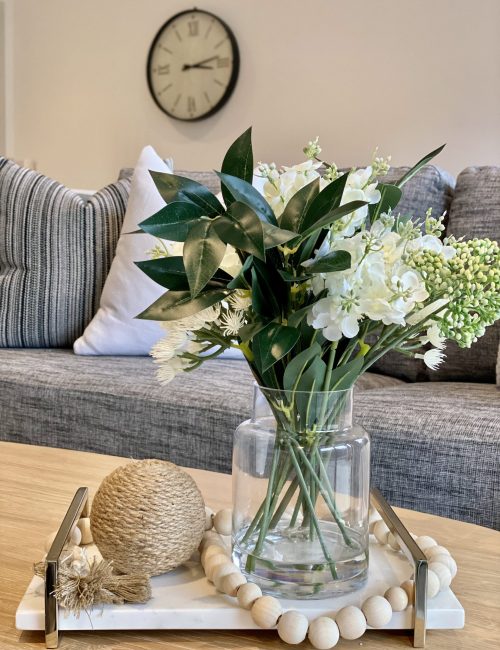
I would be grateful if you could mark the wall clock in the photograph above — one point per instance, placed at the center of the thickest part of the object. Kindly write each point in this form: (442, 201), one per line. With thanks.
(193, 65)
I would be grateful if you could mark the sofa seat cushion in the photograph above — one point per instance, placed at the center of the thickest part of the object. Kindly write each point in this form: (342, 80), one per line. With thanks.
(435, 446)
(447, 436)
(116, 405)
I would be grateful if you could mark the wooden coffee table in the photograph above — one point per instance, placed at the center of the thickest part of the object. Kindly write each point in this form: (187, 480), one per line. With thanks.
(37, 484)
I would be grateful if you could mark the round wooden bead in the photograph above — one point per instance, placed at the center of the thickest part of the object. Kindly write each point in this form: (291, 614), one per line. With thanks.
(448, 561)
(425, 542)
(50, 540)
(377, 610)
(248, 594)
(223, 522)
(232, 582)
(76, 536)
(351, 622)
(381, 532)
(409, 587)
(210, 551)
(210, 538)
(266, 611)
(213, 562)
(292, 627)
(393, 542)
(431, 552)
(209, 522)
(433, 584)
(323, 633)
(398, 598)
(222, 571)
(84, 527)
(443, 573)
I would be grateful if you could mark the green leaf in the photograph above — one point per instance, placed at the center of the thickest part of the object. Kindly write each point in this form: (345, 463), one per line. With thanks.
(312, 379)
(274, 236)
(289, 277)
(179, 304)
(242, 228)
(390, 195)
(298, 206)
(169, 272)
(332, 216)
(274, 342)
(177, 188)
(331, 262)
(202, 253)
(238, 161)
(416, 168)
(344, 376)
(298, 364)
(243, 279)
(248, 331)
(327, 200)
(246, 193)
(172, 222)
(298, 316)
(264, 300)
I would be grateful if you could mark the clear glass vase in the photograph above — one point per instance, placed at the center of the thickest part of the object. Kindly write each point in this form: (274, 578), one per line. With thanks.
(301, 478)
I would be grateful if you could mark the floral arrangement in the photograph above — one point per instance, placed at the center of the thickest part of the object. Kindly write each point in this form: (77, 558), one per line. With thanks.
(313, 279)
(320, 268)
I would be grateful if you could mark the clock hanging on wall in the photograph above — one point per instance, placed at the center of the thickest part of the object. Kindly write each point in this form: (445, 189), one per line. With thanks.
(193, 65)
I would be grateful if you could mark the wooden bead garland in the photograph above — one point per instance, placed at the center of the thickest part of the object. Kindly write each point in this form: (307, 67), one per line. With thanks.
(323, 632)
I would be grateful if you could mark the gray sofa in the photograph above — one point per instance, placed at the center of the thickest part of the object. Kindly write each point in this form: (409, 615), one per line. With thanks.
(436, 436)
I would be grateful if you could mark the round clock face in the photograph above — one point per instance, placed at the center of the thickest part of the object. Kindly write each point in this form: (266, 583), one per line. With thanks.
(193, 65)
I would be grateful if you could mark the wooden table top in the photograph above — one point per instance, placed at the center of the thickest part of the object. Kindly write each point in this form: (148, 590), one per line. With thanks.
(38, 483)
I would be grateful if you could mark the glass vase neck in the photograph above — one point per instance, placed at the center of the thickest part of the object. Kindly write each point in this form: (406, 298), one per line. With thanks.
(304, 412)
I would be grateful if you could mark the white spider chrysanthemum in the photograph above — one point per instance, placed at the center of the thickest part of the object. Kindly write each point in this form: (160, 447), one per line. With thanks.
(231, 323)
(193, 323)
(433, 358)
(240, 300)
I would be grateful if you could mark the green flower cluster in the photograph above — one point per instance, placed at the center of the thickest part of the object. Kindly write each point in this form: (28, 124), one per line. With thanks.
(470, 280)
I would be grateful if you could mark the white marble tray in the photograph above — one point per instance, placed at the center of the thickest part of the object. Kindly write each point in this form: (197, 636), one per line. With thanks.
(184, 599)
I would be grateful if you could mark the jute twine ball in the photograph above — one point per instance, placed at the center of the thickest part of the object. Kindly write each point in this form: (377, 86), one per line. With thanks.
(147, 517)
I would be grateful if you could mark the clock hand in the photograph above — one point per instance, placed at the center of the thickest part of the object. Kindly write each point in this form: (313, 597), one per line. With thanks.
(197, 65)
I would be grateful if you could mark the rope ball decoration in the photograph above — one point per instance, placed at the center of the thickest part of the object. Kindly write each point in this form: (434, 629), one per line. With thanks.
(147, 516)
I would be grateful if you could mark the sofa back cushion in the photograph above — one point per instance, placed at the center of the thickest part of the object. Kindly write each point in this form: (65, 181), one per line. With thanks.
(474, 212)
(55, 252)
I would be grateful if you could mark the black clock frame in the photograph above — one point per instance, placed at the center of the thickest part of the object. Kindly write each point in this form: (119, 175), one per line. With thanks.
(234, 74)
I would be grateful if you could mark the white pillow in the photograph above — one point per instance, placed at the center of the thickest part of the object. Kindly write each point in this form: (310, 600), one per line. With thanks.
(128, 291)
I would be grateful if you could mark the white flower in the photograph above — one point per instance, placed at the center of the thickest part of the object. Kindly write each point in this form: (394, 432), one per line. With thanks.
(167, 353)
(232, 322)
(280, 187)
(434, 337)
(433, 358)
(194, 322)
(358, 188)
(240, 300)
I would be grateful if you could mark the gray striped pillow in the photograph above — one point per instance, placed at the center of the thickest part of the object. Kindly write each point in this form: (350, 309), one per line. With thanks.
(55, 252)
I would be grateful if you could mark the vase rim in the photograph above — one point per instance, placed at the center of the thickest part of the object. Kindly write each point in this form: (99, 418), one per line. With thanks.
(277, 391)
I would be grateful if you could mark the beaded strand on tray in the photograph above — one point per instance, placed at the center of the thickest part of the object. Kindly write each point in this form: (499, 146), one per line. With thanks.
(323, 632)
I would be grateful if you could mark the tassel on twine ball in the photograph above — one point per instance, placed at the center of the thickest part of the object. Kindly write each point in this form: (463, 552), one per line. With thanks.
(148, 516)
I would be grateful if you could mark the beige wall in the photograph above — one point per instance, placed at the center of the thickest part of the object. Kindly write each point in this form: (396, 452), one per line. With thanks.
(405, 75)
(2, 78)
